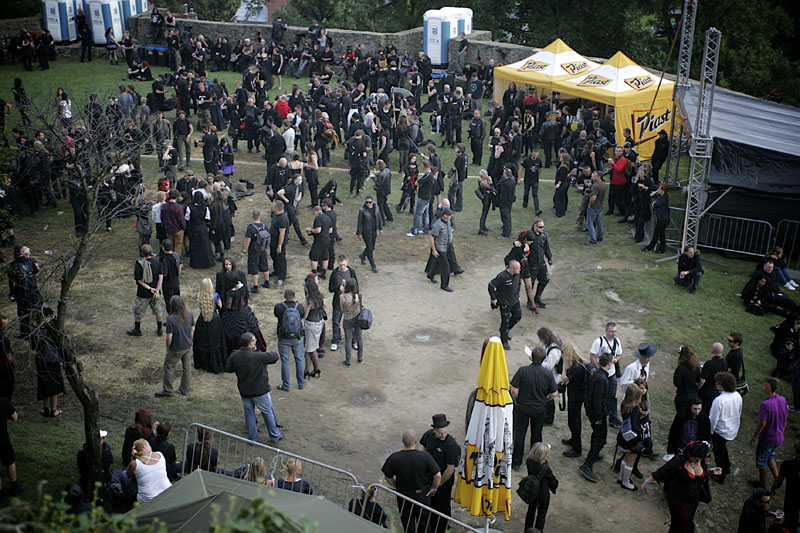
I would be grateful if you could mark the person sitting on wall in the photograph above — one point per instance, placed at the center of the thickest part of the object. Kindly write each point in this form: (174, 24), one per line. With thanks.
(690, 269)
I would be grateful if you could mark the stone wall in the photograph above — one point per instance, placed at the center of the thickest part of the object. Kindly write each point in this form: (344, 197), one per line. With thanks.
(405, 40)
(502, 53)
(10, 27)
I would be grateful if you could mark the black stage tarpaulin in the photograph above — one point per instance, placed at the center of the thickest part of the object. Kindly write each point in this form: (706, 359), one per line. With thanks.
(756, 142)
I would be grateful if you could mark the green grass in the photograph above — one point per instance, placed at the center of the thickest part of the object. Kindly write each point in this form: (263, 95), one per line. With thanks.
(124, 371)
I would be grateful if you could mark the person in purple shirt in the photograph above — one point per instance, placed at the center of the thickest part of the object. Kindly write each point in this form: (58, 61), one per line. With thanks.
(769, 431)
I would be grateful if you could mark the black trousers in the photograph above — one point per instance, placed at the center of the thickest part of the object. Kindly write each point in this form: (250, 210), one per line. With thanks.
(383, 207)
(539, 274)
(721, 454)
(616, 197)
(537, 511)
(81, 211)
(522, 419)
(599, 436)
(413, 517)
(531, 187)
(487, 204)
(312, 178)
(659, 236)
(86, 49)
(440, 501)
(291, 212)
(278, 259)
(356, 179)
(369, 247)
(505, 217)
(441, 265)
(477, 151)
(574, 406)
(509, 316)
(550, 409)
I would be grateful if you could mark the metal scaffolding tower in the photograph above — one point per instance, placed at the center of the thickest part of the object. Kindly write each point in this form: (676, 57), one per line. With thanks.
(678, 138)
(702, 143)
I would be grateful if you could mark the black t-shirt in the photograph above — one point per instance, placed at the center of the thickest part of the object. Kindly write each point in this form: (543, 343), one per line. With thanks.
(710, 368)
(278, 222)
(138, 273)
(735, 359)
(413, 470)
(252, 233)
(532, 167)
(322, 221)
(181, 126)
(535, 383)
(6, 410)
(444, 452)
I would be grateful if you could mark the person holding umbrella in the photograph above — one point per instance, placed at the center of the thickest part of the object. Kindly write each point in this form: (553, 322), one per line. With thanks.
(446, 452)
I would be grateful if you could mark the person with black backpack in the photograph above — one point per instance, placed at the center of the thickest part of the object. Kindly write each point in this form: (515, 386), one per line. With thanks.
(256, 243)
(290, 339)
(535, 488)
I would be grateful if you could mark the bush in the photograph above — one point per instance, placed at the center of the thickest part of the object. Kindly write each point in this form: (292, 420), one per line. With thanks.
(13, 9)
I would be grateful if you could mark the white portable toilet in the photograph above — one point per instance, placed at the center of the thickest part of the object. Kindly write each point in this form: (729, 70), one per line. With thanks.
(58, 16)
(463, 16)
(432, 35)
(105, 14)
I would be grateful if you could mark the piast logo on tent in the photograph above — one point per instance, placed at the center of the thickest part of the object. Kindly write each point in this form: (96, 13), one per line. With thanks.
(646, 125)
(575, 67)
(638, 83)
(532, 66)
(593, 80)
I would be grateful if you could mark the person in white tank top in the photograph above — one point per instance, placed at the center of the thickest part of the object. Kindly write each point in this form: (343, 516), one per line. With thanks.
(150, 470)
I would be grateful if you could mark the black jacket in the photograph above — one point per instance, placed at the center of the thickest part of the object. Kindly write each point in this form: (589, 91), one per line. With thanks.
(251, 371)
(596, 400)
(540, 250)
(506, 189)
(369, 221)
(336, 280)
(693, 265)
(505, 288)
(674, 438)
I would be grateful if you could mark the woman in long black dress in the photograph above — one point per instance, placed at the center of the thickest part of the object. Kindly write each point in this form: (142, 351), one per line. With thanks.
(200, 253)
(49, 380)
(217, 227)
(208, 345)
(329, 191)
(237, 317)
(560, 196)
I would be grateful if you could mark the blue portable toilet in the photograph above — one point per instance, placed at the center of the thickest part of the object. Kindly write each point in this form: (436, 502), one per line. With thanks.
(58, 16)
(127, 9)
(439, 27)
(105, 14)
(463, 17)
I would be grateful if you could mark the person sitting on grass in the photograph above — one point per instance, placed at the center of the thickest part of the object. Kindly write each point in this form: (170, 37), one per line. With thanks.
(690, 269)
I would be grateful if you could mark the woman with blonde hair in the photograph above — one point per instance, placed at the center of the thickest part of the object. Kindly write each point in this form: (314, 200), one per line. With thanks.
(291, 478)
(577, 376)
(629, 438)
(538, 466)
(208, 345)
(257, 472)
(150, 470)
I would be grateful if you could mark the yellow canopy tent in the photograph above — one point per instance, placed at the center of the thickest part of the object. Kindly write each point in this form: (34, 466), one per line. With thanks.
(630, 89)
(553, 62)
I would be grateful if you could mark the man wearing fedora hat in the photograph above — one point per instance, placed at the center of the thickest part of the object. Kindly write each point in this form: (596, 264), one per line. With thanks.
(640, 367)
(446, 452)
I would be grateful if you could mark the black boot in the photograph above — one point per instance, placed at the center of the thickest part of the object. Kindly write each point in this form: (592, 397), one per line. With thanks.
(159, 332)
(136, 331)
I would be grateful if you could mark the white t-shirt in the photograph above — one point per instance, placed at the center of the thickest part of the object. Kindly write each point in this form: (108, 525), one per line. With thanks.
(601, 346)
(552, 359)
(632, 372)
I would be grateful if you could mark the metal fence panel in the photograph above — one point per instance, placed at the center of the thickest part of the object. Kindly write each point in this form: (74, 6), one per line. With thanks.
(734, 234)
(787, 236)
(410, 516)
(230, 454)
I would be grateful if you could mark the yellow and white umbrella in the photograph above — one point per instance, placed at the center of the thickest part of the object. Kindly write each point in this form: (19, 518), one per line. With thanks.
(483, 486)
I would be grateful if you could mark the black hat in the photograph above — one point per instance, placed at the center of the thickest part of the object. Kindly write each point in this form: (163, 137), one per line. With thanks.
(440, 421)
(646, 350)
(447, 211)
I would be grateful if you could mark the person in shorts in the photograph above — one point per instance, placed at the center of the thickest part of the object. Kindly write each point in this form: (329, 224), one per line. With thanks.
(256, 247)
(148, 277)
(772, 420)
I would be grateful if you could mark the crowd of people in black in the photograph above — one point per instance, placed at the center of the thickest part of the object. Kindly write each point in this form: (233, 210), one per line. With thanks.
(358, 102)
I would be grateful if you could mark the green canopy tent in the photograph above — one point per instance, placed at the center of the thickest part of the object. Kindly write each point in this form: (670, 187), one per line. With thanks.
(189, 505)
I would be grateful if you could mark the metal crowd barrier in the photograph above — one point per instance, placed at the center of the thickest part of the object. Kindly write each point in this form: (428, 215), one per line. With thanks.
(231, 453)
(787, 236)
(410, 516)
(734, 234)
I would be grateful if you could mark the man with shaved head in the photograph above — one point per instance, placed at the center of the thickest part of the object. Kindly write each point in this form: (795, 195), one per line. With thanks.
(708, 384)
(414, 474)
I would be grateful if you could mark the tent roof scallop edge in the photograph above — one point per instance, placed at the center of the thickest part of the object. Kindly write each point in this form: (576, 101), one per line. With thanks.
(553, 62)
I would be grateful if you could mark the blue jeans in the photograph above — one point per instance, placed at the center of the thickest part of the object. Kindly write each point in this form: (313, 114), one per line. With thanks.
(420, 211)
(783, 275)
(302, 66)
(287, 347)
(594, 217)
(264, 404)
(691, 280)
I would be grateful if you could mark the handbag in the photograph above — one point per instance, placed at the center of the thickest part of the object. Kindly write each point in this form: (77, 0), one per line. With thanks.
(480, 194)
(365, 318)
(741, 386)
